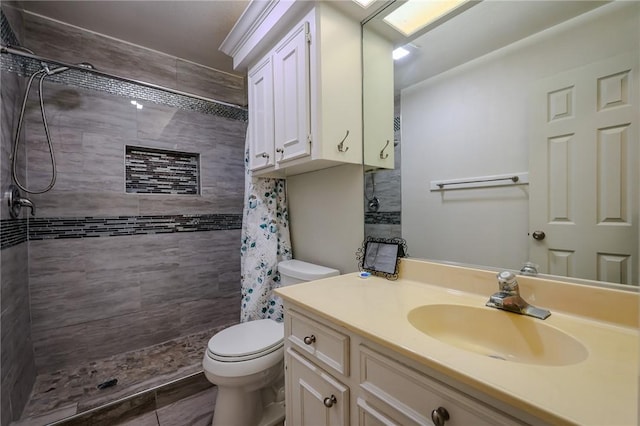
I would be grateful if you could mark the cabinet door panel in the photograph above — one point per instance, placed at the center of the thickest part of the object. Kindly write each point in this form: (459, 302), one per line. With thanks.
(261, 145)
(291, 96)
(310, 390)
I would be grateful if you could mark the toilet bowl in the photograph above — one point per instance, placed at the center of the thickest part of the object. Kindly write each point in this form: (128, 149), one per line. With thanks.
(246, 361)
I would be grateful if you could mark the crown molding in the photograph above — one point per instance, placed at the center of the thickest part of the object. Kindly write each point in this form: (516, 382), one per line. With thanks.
(258, 28)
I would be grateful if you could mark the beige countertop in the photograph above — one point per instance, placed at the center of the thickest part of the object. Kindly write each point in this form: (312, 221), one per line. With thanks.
(601, 390)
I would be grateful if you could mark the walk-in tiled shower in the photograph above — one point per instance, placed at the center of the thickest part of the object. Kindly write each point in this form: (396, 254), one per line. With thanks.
(132, 259)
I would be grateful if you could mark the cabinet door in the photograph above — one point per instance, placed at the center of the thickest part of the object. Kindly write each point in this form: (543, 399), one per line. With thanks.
(313, 396)
(292, 96)
(261, 145)
(378, 101)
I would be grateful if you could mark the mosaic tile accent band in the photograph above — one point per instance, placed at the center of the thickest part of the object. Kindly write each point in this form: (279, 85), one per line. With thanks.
(396, 123)
(16, 231)
(382, 218)
(155, 171)
(87, 227)
(12, 232)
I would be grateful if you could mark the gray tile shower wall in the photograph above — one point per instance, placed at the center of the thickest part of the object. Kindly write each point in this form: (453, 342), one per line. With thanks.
(17, 368)
(71, 44)
(150, 276)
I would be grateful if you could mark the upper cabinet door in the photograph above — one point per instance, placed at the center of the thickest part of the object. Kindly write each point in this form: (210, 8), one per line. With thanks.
(378, 101)
(292, 95)
(261, 146)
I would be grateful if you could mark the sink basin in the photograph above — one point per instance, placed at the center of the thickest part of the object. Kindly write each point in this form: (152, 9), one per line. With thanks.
(498, 334)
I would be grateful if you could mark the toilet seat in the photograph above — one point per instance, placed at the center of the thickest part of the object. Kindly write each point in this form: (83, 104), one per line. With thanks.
(246, 341)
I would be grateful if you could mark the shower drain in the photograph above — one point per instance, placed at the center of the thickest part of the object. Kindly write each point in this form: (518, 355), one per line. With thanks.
(107, 384)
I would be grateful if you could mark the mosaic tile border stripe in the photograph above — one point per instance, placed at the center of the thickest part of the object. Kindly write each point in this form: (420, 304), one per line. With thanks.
(91, 227)
(17, 231)
(12, 232)
(129, 89)
(159, 171)
(382, 218)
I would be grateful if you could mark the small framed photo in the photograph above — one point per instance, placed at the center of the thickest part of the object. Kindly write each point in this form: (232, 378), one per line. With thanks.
(381, 256)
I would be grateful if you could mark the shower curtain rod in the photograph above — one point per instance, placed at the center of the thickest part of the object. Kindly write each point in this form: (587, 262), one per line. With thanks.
(13, 51)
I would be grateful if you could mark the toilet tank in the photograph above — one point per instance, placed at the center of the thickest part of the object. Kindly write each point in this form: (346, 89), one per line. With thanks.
(297, 271)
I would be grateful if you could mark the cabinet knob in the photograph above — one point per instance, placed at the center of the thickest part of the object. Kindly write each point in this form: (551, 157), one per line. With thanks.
(330, 401)
(309, 339)
(439, 416)
(265, 155)
(280, 150)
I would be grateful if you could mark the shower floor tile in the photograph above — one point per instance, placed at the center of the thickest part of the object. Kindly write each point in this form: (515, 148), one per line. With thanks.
(135, 371)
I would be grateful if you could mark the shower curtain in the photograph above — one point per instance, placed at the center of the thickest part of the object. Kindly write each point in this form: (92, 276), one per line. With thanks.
(265, 242)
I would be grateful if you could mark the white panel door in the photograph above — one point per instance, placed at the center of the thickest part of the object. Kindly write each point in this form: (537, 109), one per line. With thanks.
(261, 137)
(292, 95)
(584, 172)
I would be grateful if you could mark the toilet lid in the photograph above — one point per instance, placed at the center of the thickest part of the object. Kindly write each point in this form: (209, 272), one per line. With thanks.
(247, 340)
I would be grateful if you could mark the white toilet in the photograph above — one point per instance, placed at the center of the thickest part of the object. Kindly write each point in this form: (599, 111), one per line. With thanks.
(246, 361)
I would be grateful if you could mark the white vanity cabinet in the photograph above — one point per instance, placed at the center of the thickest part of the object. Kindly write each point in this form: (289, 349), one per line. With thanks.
(305, 95)
(334, 376)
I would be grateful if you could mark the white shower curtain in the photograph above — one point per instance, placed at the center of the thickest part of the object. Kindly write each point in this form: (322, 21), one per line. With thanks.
(265, 242)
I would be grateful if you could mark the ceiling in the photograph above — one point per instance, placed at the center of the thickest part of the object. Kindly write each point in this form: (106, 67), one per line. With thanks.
(191, 30)
(194, 30)
(483, 28)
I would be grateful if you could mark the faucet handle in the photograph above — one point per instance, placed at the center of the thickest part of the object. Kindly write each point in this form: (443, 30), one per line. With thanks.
(529, 268)
(507, 281)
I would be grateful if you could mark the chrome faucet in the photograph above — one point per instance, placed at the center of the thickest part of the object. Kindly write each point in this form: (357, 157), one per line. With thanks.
(508, 298)
(25, 202)
(16, 202)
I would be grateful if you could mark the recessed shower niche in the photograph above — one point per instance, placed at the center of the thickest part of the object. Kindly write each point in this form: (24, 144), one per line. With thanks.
(157, 171)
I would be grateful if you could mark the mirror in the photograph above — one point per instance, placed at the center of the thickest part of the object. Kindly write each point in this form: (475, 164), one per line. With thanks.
(545, 91)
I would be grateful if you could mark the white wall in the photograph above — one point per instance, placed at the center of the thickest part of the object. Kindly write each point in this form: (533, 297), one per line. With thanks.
(327, 216)
(472, 121)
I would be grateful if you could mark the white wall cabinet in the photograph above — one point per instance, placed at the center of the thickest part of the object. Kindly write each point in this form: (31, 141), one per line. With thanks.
(309, 86)
(334, 376)
(377, 101)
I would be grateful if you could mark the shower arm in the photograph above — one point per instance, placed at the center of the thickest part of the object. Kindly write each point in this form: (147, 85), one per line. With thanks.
(83, 67)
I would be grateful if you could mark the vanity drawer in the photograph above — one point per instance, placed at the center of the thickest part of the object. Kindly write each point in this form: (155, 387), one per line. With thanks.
(409, 397)
(320, 342)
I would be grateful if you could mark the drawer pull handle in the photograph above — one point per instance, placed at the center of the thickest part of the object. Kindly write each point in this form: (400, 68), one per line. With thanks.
(309, 339)
(439, 416)
(330, 401)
